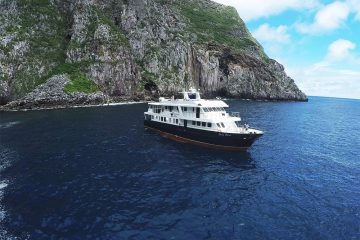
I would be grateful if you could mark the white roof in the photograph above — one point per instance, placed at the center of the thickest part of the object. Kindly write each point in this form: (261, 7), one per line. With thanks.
(191, 103)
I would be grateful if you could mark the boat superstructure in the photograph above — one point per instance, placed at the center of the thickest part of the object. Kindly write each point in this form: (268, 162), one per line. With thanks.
(203, 122)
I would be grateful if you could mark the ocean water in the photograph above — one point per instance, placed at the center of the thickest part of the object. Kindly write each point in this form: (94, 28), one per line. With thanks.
(95, 173)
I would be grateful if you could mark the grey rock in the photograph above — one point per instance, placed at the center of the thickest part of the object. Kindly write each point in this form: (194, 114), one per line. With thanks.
(130, 49)
(52, 95)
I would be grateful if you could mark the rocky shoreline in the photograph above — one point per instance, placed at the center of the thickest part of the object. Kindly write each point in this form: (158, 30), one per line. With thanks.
(51, 95)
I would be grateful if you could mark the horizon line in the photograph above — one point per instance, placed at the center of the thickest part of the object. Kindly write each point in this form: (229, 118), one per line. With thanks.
(349, 98)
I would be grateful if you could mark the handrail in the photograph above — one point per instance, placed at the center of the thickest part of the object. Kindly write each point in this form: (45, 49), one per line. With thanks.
(234, 114)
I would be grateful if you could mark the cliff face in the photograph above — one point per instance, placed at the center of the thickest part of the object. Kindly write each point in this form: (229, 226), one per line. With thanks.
(131, 49)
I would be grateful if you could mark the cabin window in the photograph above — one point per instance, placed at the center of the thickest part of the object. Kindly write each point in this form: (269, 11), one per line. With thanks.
(164, 119)
(166, 107)
(192, 95)
(185, 109)
(161, 119)
(218, 124)
(152, 117)
(177, 121)
(171, 108)
(198, 123)
(214, 109)
(209, 125)
(193, 123)
(206, 110)
(203, 124)
(238, 123)
(193, 109)
(222, 124)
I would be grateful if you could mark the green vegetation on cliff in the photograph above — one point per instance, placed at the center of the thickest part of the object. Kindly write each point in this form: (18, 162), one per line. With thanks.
(79, 81)
(46, 40)
(220, 25)
(126, 48)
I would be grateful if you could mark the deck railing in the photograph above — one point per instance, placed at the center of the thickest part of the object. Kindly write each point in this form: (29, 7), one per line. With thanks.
(234, 114)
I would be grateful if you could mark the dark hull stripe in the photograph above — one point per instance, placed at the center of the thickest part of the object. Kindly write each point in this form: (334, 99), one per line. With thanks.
(186, 140)
(204, 137)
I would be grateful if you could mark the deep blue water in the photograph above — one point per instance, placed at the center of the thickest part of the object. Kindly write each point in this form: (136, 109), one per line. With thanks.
(95, 173)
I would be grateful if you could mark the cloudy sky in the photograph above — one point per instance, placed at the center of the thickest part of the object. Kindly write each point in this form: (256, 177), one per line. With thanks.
(318, 41)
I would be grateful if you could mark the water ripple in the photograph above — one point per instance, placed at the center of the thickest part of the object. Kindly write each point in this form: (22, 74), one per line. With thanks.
(97, 174)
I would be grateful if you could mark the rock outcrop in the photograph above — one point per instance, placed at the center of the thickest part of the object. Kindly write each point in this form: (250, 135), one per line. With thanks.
(132, 49)
(51, 95)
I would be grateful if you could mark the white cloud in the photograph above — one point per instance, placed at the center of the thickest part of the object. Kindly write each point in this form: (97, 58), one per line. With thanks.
(340, 50)
(337, 75)
(265, 33)
(355, 6)
(255, 9)
(328, 18)
(330, 82)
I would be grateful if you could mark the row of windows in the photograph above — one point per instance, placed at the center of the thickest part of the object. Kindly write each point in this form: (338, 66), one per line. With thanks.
(194, 123)
(214, 109)
(156, 109)
(190, 109)
(165, 119)
(203, 124)
(170, 108)
(159, 109)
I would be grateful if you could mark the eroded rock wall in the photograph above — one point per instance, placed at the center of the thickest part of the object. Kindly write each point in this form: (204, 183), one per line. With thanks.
(136, 49)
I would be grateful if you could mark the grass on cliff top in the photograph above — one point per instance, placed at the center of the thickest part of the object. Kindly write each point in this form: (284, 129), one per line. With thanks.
(79, 81)
(216, 24)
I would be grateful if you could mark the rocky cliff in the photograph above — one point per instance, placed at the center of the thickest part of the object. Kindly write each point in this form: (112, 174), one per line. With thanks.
(55, 52)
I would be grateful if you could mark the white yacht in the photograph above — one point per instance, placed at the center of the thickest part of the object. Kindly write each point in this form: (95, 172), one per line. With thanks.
(198, 121)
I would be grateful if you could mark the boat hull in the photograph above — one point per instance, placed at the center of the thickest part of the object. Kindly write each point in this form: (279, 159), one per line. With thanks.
(209, 139)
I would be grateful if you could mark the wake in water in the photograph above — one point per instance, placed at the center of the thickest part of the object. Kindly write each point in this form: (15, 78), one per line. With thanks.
(6, 157)
(8, 124)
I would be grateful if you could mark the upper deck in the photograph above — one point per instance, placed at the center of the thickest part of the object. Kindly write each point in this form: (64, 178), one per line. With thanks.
(190, 98)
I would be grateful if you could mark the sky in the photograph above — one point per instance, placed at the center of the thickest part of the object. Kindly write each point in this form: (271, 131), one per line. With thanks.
(317, 41)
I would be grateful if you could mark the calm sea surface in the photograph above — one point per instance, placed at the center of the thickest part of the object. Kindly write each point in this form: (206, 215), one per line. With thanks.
(95, 173)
